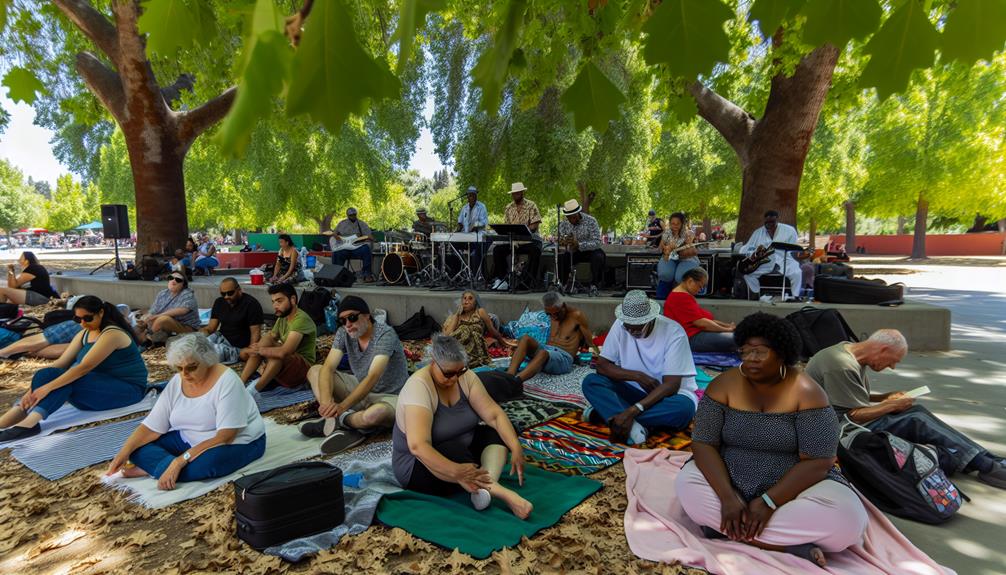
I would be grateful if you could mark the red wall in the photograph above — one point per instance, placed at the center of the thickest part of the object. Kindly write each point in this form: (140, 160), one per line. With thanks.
(983, 244)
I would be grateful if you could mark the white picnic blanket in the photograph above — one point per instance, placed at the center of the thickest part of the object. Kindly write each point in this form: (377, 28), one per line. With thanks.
(283, 444)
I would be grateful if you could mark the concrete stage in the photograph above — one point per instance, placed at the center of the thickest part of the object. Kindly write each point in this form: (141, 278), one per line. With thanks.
(926, 326)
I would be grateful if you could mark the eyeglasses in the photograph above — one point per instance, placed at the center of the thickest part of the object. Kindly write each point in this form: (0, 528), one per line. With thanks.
(755, 353)
(228, 293)
(81, 318)
(351, 318)
(452, 374)
(176, 279)
(187, 369)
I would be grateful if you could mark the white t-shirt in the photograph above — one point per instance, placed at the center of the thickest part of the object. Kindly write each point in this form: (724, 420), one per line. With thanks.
(664, 352)
(227, 405)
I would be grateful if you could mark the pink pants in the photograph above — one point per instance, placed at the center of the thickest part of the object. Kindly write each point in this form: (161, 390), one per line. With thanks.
(827, 513)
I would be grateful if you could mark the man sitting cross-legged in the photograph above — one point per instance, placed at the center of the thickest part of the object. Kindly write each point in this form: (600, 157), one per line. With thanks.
(841, 371)
(645, 374)
(288, 350)
(569, 330)
(235, 322)
(366, 398)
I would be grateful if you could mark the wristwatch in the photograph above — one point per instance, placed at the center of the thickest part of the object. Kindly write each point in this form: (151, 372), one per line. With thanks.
(639, 406)
(186, 456)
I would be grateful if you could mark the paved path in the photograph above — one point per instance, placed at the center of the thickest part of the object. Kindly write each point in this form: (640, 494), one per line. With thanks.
(968, 391)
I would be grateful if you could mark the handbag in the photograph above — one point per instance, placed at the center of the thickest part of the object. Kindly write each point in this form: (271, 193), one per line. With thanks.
(288, 502)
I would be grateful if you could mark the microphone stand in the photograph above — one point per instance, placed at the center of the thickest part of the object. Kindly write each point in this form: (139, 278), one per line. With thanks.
(557, 282)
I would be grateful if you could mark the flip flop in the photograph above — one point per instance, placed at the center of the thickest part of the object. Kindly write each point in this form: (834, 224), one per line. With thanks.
(341, 440)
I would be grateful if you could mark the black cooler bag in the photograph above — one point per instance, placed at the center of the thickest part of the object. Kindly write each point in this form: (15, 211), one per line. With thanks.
(829, 289)
(288, 502)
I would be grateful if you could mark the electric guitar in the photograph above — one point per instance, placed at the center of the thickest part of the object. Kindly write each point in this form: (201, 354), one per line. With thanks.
(348, 243)
(755, 260)
(673, 254)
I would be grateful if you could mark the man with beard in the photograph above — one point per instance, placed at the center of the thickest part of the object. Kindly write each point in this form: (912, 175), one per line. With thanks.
(235, 322)
(364, 400)
(288, 350)
(569, 330)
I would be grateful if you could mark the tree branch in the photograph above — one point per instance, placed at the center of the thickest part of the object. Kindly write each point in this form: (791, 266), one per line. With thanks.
(174, 91)
(93, 24)
(197, 121)
(104, 83)
(733, 122)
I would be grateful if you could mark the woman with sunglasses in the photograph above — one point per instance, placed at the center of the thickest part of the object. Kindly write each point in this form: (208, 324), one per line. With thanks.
(764, 446)
(205, 424)
(100, 369)
(469, 325)
(174, 311)
(439, 447)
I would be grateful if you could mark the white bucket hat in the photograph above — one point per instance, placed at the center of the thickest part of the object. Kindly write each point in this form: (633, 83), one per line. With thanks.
(637, 309)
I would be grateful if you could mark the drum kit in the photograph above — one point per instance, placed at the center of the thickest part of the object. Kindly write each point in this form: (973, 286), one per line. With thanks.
(436, 259)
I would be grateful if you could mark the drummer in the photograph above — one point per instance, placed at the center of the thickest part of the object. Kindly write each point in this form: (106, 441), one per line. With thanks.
(424, 224)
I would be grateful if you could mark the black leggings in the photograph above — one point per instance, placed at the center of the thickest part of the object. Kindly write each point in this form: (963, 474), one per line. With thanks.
(423, 480)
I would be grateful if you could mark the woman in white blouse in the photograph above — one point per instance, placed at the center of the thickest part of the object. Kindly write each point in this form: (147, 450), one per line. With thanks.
(205, 424)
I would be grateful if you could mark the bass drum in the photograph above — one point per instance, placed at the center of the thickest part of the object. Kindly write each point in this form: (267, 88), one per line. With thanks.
(395, 265)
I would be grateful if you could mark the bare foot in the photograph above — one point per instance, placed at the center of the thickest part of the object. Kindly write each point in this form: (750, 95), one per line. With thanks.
(131, 471)
(518, 505)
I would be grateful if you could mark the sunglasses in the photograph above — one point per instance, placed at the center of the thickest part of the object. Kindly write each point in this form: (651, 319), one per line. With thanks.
(452, 374)
(177, 279)
(228, 293)
(351, 318)
(81, 318)
(187, 369)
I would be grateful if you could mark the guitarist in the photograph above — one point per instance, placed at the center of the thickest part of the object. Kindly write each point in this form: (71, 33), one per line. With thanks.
(773, 231)
(353, 226)
(677, 254)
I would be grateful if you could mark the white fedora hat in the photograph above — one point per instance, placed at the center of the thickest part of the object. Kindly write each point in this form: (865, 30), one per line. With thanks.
(571, 207)
(517, 187)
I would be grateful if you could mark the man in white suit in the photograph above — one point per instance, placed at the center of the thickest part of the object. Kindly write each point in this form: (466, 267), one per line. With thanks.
(773, 231)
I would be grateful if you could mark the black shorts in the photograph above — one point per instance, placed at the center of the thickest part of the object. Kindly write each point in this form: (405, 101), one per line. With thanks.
(423, 480)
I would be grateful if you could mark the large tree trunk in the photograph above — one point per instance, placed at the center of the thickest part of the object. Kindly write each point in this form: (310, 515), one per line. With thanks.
(901, 226)
(979, 224)
(157, 137)
(707, 226)
(812, 233)
(325, 223)
(1001, 225)
(919, 239)
(850, 227)
(772, 150)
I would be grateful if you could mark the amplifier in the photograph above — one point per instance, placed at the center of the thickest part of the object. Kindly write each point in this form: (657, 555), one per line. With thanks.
(640, 271)
(708, 263)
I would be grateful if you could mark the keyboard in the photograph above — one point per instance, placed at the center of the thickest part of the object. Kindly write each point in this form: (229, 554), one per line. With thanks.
(454, 237)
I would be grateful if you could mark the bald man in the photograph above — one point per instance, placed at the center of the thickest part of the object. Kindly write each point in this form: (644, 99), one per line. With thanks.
(841, 371)
(235, 322)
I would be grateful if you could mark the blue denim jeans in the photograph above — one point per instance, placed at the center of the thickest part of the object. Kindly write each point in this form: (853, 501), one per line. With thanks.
(90, 392)
(669, 274)
(559, 361)
(156, 456)
(208, 263)
(610, 397)
(713, 342)
(361, 253)
(918, 425)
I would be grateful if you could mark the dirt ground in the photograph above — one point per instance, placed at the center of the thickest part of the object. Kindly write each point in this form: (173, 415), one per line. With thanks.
(76, 526)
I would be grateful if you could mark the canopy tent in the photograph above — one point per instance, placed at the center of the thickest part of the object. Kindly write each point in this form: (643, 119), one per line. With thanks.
(96, 225)
(33, 231)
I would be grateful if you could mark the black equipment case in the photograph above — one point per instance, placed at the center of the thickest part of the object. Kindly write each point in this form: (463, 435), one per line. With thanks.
(828, 289)
(288, 502)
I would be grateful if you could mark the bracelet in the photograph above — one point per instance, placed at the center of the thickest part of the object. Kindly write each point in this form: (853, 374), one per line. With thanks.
(768, 501)
(639, 406)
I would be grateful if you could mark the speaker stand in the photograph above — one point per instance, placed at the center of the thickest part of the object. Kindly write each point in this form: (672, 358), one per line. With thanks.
(118, 262)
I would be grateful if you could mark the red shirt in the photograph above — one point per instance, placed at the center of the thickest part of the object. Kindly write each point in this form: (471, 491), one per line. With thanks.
(684, 309)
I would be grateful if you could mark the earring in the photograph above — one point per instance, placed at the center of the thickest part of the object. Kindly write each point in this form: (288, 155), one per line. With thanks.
(782, 372)
(740, 368)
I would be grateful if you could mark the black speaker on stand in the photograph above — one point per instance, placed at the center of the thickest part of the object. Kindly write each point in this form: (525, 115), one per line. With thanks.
(115, 225)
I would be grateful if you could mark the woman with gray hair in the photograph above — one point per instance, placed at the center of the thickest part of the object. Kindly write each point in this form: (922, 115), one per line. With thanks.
(470, 324)
(204, 424)
(439, 447)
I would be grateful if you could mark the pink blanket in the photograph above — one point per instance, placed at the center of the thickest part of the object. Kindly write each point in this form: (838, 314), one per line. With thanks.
(658, 529)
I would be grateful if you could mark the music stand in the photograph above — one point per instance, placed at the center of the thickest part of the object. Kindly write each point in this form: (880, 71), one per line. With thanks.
(786, 249)
(512, 231)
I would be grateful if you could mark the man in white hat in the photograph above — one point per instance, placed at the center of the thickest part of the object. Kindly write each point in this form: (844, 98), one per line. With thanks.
(519, 211)
(581, 236)
(645, 376)
(353, 226)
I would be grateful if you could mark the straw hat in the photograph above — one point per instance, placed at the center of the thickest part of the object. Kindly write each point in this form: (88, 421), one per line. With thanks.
(637, 309)
(517, 187)
(571, 207)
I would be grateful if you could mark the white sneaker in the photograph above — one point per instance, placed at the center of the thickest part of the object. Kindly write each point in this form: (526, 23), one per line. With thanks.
(587, 411)
(481, 499)
(637, 435)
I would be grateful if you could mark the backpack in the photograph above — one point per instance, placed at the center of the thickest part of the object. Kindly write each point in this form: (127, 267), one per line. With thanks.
(22, 325)
(314, 303)
(898, 476)
(820, 328)
(151, 268)
(9, 311)
(57, 316)
(419, 326)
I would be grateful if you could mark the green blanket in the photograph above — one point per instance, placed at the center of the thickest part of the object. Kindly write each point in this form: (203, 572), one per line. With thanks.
(452, 522)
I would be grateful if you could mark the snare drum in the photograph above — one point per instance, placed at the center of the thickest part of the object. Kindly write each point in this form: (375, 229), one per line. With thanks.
(395, 265)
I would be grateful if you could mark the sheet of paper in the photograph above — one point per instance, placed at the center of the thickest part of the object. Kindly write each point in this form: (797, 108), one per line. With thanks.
(918, 391)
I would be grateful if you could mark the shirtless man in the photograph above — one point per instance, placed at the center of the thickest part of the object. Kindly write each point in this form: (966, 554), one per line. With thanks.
(568, 331)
